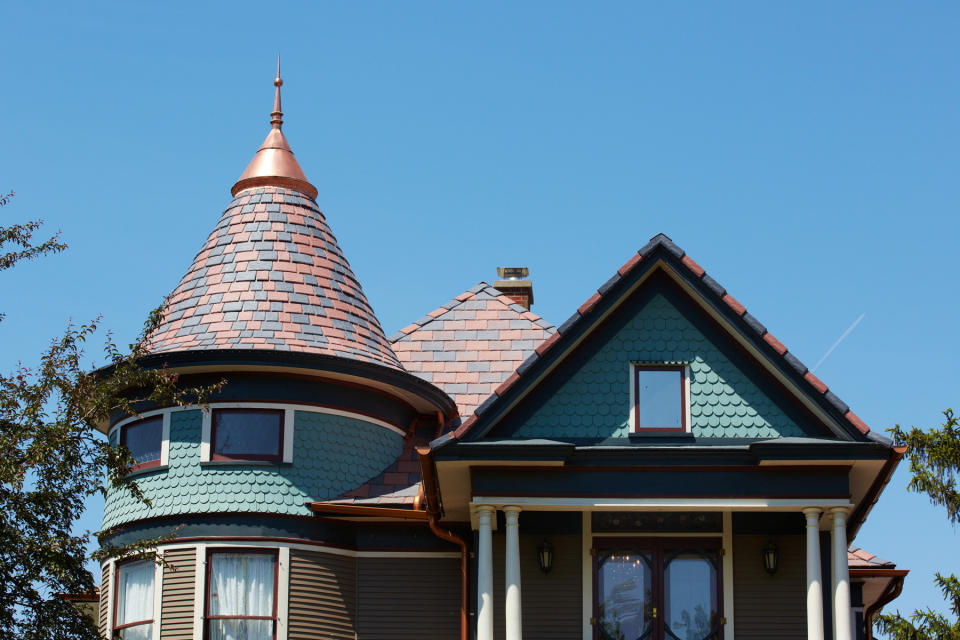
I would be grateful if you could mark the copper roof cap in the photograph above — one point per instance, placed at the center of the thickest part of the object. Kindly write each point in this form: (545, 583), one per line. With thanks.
(274, 165)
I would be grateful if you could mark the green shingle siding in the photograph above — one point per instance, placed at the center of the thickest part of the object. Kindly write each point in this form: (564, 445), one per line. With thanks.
(331, 455)
(595, 401)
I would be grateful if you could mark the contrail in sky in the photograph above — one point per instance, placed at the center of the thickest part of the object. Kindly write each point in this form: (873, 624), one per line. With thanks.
(839, 340)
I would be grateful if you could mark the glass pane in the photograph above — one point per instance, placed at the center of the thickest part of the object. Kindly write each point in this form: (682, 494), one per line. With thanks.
(143, 438)
(139, 632)
(135, 592)
(241, 629)
(241, 584)
(690, 601)
(241, 433)
(659, 403)
(625, 589)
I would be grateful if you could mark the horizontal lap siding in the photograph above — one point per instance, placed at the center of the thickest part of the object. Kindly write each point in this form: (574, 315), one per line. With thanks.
(104, 599)
(769, 606)
(179, 584)
(409, 599)
(551, 604)
(323, 602)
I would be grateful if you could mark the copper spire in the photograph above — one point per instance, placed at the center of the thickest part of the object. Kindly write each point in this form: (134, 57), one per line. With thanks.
(274, 164)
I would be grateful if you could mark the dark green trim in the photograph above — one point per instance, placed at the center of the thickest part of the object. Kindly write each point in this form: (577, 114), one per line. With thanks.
(662, 482)
(318, 362)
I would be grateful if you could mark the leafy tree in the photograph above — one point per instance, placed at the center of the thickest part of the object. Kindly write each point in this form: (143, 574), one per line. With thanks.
(935, 465)
(54, 458)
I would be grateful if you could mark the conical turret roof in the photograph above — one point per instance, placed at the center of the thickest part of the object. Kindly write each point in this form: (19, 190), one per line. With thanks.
(271, 274)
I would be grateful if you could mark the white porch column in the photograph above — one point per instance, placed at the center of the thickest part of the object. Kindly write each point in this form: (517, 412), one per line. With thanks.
(485, 516)
(514, 619)
(841, 575)
(814, 582)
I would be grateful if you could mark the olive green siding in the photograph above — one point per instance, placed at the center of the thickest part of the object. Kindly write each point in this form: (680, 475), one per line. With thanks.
(769, 606)
(595, 401)
(323, 596)
(331, 455)
(105, 583)
(179, 576)
(552, 603)
(408, 599)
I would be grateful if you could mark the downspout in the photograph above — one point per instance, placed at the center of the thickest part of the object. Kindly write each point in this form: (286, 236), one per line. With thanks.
(889, 594)
(432, 498)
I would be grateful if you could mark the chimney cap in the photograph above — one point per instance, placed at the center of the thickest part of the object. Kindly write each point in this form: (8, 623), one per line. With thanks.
(513, 273)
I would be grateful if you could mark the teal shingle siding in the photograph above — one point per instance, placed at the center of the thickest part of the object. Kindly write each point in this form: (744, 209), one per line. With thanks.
(331, 455)
(595, 401)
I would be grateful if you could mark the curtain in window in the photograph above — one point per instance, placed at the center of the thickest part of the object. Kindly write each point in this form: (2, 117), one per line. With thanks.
(241, 584)
(135, 599)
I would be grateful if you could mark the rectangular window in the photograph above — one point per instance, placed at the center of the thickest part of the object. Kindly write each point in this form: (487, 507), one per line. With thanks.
(133, 613)
(659, 397)
(241, 595)
(144, 439)
(247, 434)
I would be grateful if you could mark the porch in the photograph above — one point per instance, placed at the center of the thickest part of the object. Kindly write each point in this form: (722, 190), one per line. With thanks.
(663, 569)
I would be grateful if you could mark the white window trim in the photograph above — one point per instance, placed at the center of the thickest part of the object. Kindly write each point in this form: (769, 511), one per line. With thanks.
(111, 595)
(164, 435)
(632, 420)
(200, 590)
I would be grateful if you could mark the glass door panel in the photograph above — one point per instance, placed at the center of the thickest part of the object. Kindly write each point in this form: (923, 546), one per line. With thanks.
(690, 608)
(625, 595)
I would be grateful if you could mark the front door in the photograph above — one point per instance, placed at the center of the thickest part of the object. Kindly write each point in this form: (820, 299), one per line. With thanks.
(657, 589)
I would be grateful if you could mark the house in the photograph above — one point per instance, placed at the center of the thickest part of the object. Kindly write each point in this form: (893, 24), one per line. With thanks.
(658, 466)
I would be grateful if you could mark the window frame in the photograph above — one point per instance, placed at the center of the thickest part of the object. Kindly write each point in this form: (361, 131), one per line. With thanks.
(248, 457)
(684, 371)
(156, 462)
(211, 551)
(115, 596)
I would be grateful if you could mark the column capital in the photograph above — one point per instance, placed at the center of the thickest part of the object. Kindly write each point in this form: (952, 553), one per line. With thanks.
(484, 508)
(839, 511)
(811, 511)
(512, 509)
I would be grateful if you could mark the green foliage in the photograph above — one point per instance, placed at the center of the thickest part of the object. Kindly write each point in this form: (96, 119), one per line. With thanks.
(934, 465)
(19, 236)
(54, 458)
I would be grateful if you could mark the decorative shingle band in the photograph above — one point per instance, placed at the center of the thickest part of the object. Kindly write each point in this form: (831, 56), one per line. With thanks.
(698, 272)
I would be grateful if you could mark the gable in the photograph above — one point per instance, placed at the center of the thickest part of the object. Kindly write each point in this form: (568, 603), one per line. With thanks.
(589, 397)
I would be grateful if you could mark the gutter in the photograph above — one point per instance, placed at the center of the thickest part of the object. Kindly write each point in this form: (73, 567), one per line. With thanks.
(873, 493)
(431, 494)
(893, 590)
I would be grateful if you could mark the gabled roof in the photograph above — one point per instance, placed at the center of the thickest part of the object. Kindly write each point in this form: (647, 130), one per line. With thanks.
(471, 344)
(272, 276)
(857, 557)
(660, 246)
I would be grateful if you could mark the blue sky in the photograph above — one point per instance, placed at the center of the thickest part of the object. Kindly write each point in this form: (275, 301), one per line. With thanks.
(806, 155)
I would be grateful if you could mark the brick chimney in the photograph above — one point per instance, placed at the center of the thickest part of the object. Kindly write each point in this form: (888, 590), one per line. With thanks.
(514, 284)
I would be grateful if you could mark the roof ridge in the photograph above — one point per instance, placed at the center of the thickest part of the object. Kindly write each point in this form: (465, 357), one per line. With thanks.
(470, 294)
(663, 241)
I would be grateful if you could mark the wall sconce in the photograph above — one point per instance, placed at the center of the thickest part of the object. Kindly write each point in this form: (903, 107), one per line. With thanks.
(771, 557)
(545, 556)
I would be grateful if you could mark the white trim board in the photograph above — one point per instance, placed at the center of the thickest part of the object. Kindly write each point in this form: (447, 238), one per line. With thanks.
(663, 504)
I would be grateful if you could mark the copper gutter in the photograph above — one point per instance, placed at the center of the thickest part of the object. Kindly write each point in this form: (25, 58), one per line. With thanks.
(431, 494)
(365, 511)
(873, 493)
(893, 590)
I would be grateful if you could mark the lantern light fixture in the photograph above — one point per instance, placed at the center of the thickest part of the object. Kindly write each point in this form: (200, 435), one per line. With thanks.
(771, 557)
(545, 556)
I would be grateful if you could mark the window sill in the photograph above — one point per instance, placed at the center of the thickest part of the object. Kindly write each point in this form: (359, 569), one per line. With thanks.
(145, 470)
(244, 463)
(640, 435)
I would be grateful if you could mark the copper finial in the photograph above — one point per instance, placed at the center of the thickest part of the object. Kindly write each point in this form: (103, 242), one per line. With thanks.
(276, 117)
(274, 164)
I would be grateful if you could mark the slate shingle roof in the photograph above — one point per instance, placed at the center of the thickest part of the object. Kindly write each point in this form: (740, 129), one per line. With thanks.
(583, 314)
(272, 276)
(857, 557)
(470, 345)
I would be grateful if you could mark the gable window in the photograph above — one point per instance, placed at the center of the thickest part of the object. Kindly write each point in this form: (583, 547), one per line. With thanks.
(247, 434)
(659, 398)
(241, 595)
(133, 613)
(144, 439)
